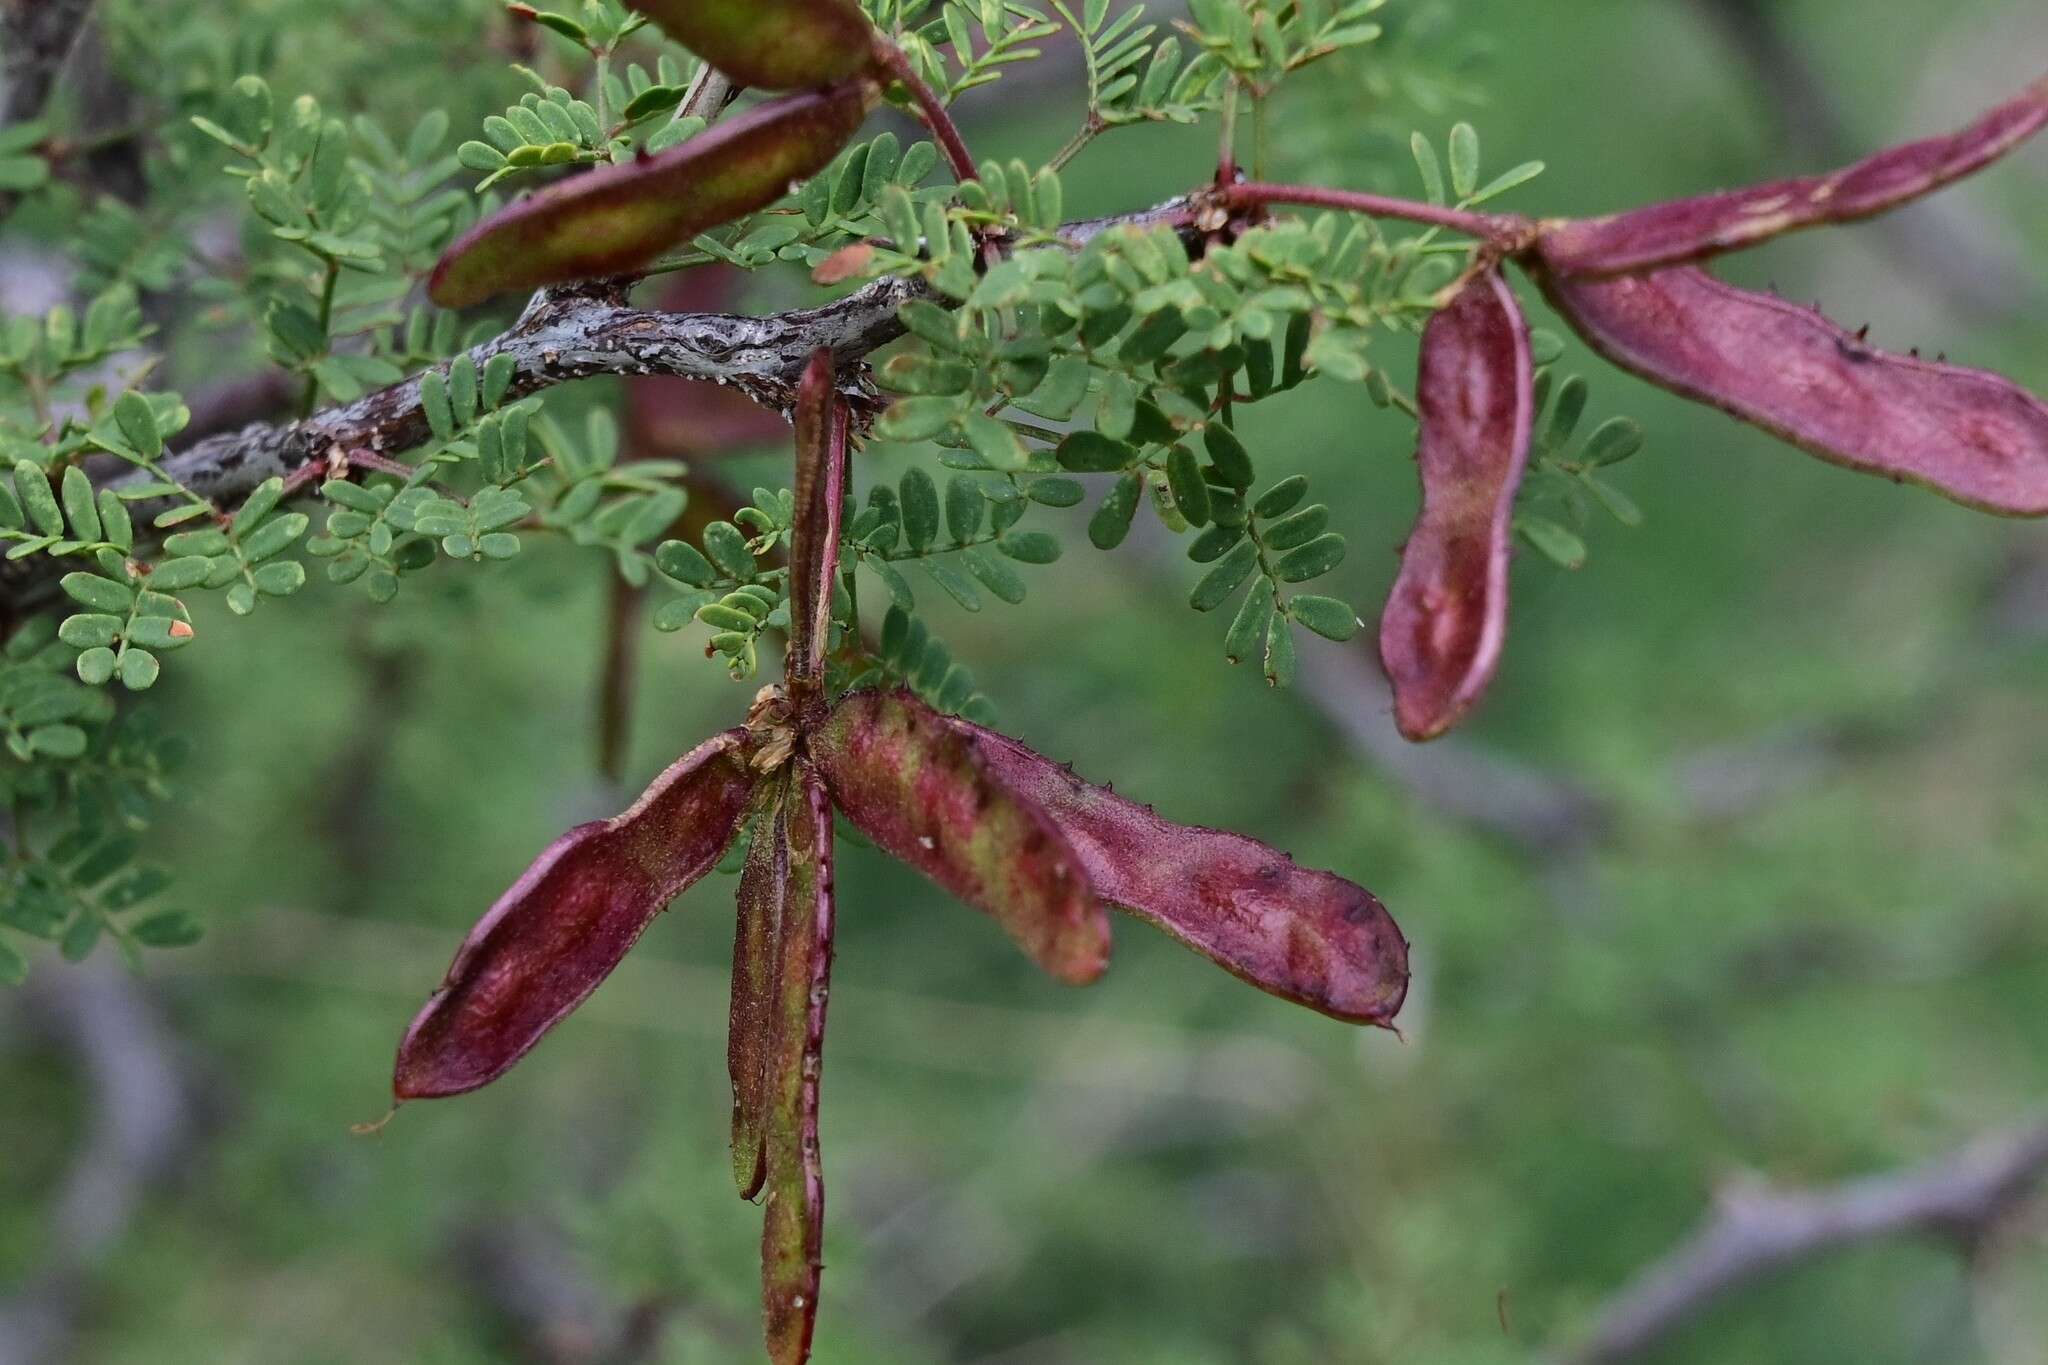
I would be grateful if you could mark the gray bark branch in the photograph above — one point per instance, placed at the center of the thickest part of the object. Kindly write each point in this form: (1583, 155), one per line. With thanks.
(36, 38)
(1755, 1229)
(578, 333)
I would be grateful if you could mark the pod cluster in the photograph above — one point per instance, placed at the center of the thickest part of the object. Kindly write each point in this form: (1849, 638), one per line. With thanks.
(1000, 826)
(1631, 285)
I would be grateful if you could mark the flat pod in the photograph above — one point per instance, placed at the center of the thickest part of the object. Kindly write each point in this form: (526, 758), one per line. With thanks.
(919, 784)
(793, 1216)
(1970, 435)
(750, 1021)
(563, 926)
(821, 435)
(1691, 229)
(616, 218)
(1306, 936)
(769, 44)
(1446, 618)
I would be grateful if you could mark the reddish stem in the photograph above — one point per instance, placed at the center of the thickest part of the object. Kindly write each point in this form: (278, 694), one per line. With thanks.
(896, 62)
(1506, 229)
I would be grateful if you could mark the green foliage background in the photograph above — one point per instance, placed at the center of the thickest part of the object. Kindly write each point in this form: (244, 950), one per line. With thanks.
(1843, 972)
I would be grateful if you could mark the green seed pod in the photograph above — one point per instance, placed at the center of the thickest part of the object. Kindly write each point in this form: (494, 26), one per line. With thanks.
(770, 44)
(616, 218)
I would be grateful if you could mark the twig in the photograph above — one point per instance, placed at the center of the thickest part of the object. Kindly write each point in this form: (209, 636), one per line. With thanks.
(1755, 1229)
(580, 332)
(142, 1121)
(896, 62)
(1542, 814)
(1505, 230)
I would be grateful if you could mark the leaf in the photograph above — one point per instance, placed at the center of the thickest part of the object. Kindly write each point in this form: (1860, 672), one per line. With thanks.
(1310, 937)
(1225, 578)
(565, 924)
(1326, 616)
(1685, 230)
(1090, 452)
(919, 499)
(1464, 161)
(769, 44)
(101, 594)
(1967, 434)
(1446, 617)
(1431, 168)
(79, 506)
(793, 1214)
(1184, 478)
(1112, 520)
(616, 217)
(137, 423)
(1029, 547)
(918, 784)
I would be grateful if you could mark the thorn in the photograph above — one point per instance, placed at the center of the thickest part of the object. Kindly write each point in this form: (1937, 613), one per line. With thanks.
(1863, 332)
(1914, 352)
(1941, 357)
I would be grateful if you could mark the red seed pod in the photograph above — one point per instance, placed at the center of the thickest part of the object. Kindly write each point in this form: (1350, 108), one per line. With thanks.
(793, 1215)
(918, 783)
(617, 218)
(1968, 434)
(769, 44)
(1691, 229)
(1446, 618)
(1306, 936)
(821, 433)
(561, 928)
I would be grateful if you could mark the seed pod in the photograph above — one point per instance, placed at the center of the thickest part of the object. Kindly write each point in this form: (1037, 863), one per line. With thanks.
(820, 497)
(1310, 937)
(1968, 434)
(562, 927)
(1691, 229)
(918, 784)
(750, 1022)
(1446, 618)
(793, 1215)
(769, 44)
(615, 218)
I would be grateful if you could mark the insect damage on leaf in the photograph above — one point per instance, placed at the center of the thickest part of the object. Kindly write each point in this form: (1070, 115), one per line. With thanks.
(563, 926)
(919, 785)
(616, 218)
(769, 44)
(1689, 229)
(1970, 435)
(1446, 618)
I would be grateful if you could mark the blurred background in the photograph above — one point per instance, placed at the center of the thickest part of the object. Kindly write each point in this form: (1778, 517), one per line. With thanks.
(1738, 875)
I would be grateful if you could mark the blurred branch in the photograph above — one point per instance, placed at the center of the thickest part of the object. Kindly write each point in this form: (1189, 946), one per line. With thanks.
(547, 1300)
(36, 38)
(1951, 248)
(1541, 813)
(141, 1123)
(1755, 1229)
